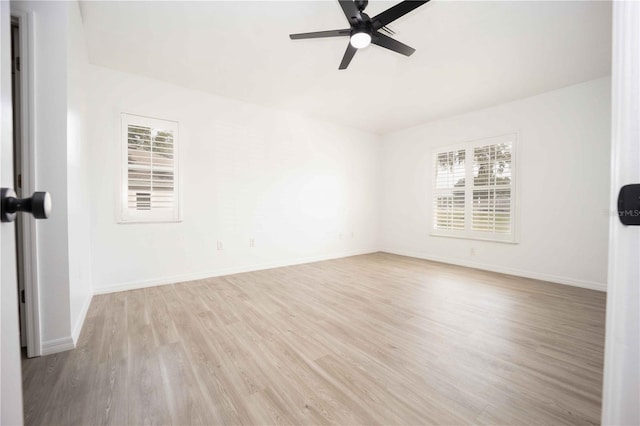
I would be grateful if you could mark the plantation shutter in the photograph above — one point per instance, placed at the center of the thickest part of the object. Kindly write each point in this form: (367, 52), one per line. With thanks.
(473, 190)
(449, 194)
(492, 188)
(150, 172)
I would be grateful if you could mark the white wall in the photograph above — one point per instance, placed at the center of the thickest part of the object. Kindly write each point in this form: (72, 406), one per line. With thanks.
(78, 166)
(302, 189)
(562, 177)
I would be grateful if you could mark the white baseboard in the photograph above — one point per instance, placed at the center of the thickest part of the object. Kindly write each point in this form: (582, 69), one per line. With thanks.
(69, 342)
(224, 271)
(57, 345)
(592, 285)
(75, 334)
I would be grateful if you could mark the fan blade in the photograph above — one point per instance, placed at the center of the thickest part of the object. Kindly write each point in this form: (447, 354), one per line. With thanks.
(350, 11)
(320, 34)
(395, 12)
(348, 56)
(391, 44)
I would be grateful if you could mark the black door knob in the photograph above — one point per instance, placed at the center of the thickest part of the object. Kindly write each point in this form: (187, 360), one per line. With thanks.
(39, 204)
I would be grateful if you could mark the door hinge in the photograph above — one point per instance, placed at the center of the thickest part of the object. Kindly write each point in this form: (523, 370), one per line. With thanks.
(20, 181)
(22, 296)
(18, 63)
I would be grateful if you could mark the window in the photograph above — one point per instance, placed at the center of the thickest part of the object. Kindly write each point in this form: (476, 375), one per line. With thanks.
(473, 190)
(150, 170)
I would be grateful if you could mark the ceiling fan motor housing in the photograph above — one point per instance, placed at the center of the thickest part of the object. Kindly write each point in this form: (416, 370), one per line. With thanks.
(363, 26)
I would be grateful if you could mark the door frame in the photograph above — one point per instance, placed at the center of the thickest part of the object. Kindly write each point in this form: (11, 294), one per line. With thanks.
(621, 381)
(27, 131)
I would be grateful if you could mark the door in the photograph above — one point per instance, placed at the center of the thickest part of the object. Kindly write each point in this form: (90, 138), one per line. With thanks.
(10, 364)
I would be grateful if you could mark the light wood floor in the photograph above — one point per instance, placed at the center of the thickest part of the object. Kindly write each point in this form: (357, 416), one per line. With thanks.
(373, 339)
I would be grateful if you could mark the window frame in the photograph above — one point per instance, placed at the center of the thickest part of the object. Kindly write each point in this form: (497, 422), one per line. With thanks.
(127, 215)
(468, 232)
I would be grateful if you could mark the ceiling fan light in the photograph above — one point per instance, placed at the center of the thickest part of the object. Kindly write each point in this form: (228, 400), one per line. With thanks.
(360, 40)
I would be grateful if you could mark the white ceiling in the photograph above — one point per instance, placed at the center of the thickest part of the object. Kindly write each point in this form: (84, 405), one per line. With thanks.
(469, 55)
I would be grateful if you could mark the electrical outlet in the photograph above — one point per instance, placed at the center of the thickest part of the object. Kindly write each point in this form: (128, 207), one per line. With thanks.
(353, 234)
(219, 245)
(252, 242)
(472, 252)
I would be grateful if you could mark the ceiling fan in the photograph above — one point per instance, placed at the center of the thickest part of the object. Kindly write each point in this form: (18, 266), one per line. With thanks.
(365, 30)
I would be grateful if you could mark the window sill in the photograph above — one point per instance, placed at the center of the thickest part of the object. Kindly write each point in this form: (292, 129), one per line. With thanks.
(147, 221)
(474, 238)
